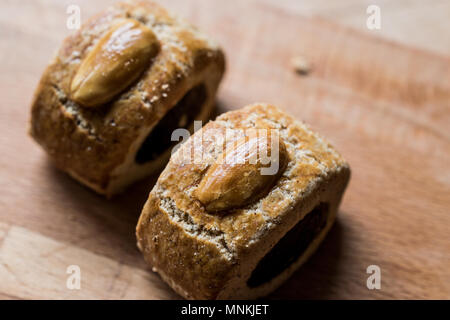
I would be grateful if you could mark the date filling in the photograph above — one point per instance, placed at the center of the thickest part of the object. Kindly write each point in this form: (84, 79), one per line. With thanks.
(180, 116)
(290, 247)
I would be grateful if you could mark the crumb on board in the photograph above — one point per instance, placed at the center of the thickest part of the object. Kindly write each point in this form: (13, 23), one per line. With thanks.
(301, 65)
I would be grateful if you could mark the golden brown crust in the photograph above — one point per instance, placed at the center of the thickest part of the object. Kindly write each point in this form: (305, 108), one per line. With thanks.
(315, 173)
(208, 261)
(93, 143)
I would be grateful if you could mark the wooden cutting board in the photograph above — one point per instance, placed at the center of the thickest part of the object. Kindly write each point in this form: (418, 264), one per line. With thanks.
(384, 106)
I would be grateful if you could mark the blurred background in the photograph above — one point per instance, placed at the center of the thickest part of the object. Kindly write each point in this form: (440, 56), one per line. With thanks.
(371, 76)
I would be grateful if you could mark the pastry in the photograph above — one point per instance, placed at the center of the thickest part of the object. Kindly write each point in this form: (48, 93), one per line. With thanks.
(217, 226)
(107, 104)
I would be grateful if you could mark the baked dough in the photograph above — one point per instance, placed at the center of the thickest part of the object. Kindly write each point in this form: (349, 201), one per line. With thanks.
(244, 251)
(109, 146)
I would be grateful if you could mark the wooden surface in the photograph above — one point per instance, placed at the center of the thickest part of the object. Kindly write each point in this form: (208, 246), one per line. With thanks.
(418, 23)
(385, 106)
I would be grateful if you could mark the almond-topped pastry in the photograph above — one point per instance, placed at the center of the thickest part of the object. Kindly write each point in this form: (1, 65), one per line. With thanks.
(233, 180)
(241, 205)
(107, 104)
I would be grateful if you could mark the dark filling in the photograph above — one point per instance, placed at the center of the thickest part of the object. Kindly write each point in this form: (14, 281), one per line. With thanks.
(290, 247)
(180, 116)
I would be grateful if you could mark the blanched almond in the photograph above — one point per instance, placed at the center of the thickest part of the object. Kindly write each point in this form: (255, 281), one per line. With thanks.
(242, 175)
(117, 60)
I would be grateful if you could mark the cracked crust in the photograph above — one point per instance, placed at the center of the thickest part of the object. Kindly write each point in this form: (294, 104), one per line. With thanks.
(97, 146)
(211, 256)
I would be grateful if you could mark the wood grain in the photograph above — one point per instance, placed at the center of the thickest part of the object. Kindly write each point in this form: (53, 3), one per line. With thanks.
(411, 22)
(386, 108)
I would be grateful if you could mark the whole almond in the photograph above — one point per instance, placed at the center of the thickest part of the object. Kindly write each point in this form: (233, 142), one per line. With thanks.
(118, 59)
(237, 177)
